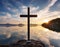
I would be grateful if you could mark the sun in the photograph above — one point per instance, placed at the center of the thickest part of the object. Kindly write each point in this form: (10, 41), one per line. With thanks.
(46, 21)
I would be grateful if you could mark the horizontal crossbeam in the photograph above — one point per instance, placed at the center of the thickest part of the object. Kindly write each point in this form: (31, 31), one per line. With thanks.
(27, 15)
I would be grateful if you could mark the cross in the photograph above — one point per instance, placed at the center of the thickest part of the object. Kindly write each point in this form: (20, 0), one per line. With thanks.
(28, 16)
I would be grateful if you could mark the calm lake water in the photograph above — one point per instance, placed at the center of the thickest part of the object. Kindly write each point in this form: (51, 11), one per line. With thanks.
(14, 33)
(35, 31)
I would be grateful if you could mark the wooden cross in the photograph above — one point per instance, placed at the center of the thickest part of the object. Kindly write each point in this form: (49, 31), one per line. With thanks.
(28, 16)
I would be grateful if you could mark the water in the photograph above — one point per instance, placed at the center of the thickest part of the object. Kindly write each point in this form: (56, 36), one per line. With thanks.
(13, 34)
(35, 31)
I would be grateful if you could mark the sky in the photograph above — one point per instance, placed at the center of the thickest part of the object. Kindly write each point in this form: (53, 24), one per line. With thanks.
(10, 10)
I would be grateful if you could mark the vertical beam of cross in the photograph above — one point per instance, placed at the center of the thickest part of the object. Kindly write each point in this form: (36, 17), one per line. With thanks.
(28, 16)
(28, 23)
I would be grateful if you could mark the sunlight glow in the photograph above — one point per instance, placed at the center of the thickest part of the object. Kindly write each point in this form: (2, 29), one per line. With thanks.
(46, 21)
(46, 30)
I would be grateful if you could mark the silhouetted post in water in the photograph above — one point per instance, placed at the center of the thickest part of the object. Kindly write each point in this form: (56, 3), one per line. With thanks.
(28, 16)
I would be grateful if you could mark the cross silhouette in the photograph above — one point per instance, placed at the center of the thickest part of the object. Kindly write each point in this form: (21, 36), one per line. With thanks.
(28, 16)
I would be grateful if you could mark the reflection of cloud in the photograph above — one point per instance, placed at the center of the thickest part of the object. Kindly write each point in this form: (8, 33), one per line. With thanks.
(43, 39)
(55, 42)
(15, 36)
(11, 37)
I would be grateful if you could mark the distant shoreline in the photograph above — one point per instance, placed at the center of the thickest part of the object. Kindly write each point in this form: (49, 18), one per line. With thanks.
(20, 25)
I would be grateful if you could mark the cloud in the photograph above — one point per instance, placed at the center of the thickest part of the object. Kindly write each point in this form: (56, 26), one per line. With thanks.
(34, 10)
(46, 13)
(58, 6)
(52, 3)
(8, 18)
(42, 14)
